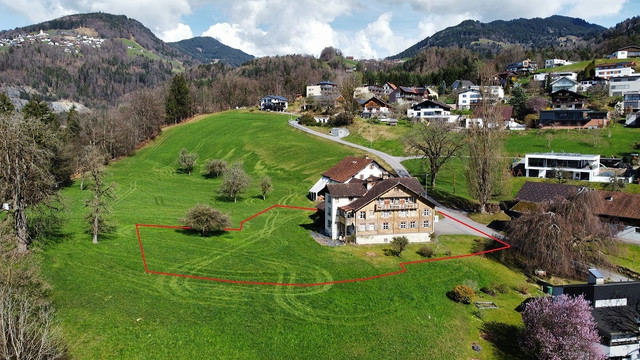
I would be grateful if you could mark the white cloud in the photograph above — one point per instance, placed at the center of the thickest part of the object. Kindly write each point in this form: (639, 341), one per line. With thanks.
(374, 38)
(431, 24)
(180, 32)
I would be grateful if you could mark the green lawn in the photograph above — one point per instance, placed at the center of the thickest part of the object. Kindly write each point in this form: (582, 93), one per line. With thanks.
(109, 307)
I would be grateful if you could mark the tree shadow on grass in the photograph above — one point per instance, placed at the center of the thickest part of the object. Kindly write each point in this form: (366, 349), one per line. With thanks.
(198, 234)
(504, 338)
(452, 201)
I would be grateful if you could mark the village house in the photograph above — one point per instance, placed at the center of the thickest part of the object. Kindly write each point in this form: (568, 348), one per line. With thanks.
(431, 110)
(522, 67)
(585, 167)
(349, 169)
(573, 119)
(611, 70)
(618, 86)
(616, 311)
(375, 211)
(564, 83)
(632, 106)
(461, 85)
(409, 95)
(568, 100)
(374, 107)
(273, 103)
(551, 63)
(626, 52)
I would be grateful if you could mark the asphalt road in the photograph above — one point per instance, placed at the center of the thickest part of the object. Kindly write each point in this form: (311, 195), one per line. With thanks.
(445, 226)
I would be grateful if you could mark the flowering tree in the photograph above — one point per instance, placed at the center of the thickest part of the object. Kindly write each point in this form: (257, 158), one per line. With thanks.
(561, 327)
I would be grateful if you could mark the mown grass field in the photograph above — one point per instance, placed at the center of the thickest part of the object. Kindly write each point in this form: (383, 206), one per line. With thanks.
(108, 307)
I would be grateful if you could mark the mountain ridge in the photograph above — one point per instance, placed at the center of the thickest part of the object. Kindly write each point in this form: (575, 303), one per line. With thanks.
(207, 50)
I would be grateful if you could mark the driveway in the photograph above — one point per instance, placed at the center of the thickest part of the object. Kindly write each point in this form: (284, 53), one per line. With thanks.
(445, 225)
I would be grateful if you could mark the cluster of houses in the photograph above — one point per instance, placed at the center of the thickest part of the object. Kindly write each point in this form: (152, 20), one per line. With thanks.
(66, 39)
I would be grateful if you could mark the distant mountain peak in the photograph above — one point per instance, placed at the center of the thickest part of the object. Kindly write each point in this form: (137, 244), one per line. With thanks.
(207, 50)
(530, 33)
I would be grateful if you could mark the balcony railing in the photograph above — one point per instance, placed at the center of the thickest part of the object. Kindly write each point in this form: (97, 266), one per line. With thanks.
(405, 206)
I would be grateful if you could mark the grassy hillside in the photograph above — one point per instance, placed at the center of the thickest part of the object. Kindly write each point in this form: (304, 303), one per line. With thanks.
(110, 308)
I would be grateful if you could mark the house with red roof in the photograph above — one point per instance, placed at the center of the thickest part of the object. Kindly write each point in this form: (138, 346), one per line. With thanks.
(349, 169)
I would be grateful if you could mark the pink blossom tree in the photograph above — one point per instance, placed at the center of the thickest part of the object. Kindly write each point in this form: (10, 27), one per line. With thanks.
(561, 328)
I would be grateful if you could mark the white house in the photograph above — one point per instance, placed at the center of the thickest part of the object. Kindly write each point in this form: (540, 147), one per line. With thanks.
(550, 63)
(273, 103)
(350, 168)
(626, 52)
(339, 132)
(564, 83)
(568, 74)
(612, 70)
(314, 90)
(468, 98)
(620, 85)
(431, 110)
(576, 166)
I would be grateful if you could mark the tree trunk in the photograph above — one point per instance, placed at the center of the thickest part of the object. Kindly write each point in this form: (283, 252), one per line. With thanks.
(96, 222)
(432, 181)
(22, 229)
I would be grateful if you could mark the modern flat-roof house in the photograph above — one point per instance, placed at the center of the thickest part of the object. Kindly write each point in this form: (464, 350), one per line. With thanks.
(550, 63)
(349, 169)
(626, 52)
(573, 119)
(374, 211)
(611, 70)
(618, 86)
(524, 66)
(632, 102)
(578, 166)
(431, 110)
(273, 103)
(616, 311)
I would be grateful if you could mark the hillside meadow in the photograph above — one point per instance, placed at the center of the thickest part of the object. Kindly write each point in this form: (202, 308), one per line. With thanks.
(108, 307)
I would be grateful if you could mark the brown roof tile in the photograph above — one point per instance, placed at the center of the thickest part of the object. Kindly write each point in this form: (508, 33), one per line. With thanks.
(620, 204)
(347, 168)
(348, 190)
(410, 183)
(538, 192)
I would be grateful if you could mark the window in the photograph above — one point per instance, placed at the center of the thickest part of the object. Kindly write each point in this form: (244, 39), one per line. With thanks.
(425, 224)
(361, 227)
(403, 225)
(385, 226)
(412, 213)
(396, 201)
(372, 214)
(403, 213)
(412, 225)
(362, 215)
(426, 212)
(386, 214)
(371, 227)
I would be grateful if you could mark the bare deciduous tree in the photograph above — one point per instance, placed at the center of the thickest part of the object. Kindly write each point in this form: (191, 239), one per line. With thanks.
(187, 160)
(216, 166)
(553, 239)
(265, 187)
(25, 177)
(234, 182)
(93, 163)
(435, 142)
(204, 219)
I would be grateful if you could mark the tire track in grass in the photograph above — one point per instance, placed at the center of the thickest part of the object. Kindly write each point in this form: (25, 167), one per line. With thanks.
(402, 265)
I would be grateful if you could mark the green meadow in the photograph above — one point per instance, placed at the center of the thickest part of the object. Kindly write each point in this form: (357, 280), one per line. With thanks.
(108, 307)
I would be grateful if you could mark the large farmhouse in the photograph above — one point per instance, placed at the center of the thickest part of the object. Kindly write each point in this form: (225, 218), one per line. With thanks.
(373, 211)
(350, 168)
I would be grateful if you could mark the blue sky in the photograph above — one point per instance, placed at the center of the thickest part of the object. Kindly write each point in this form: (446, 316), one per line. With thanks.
(361, 28)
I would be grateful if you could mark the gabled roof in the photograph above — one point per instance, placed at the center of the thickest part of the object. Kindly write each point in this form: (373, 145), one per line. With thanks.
(565, 78)
(435, 103)
(348, 190)
(410, 184)
(391, 85)
(538, 192)
(275, 97)
(375, 99)
(347, 168)
(616, 64)
(620, 205)
(568, 92)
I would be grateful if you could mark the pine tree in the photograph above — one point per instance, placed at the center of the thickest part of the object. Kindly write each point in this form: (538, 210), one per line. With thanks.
(178, 106)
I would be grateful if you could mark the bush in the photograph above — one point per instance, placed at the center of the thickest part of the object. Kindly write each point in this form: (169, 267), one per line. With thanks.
(399, 243)
(488, 290)
(500, 288)
(204, 219)
(426, 251)
(463, 294)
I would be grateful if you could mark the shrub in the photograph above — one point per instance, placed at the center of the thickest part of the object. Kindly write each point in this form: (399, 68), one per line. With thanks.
(500, 288)
(523, 288)
(463, 294)
(399, 243)
(488, 290)
(426, 251)
(204, 219)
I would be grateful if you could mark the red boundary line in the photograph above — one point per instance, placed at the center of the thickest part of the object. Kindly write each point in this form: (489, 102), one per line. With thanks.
(244, 282)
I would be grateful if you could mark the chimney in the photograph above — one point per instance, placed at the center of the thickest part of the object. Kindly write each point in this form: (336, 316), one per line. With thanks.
(366, 156)
(595, 277)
